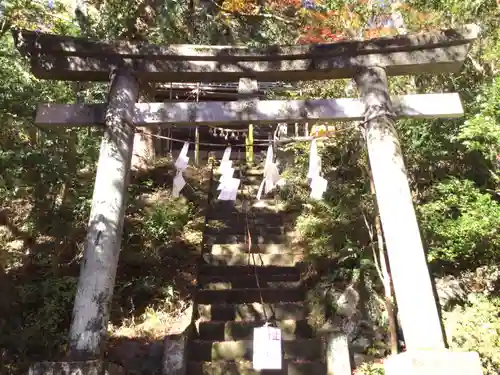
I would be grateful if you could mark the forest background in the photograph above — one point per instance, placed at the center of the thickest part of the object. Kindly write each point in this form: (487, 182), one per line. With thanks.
(46, 177)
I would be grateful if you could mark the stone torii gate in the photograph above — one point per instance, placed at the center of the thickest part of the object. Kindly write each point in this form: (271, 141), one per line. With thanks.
(369, 62)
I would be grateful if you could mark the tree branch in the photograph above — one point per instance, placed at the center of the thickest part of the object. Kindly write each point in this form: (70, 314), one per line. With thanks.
(372, 245)
(475, 64)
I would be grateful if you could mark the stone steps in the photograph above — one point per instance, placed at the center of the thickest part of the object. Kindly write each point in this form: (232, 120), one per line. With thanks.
(236, 217)
(250, 295)
(247, 280)
(263, 205)
(231, 272)
(252, 213)
(298, 349)
(240, 173)
(246, 171)
(259, 260)
(255, 311)
(268, 238)
(256, 248)
(237, 230)
(250, 283)
(291, 329)
(231, 302)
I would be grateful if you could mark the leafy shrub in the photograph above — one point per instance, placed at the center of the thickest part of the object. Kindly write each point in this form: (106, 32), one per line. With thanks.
(482, 131)
(476, 327)
(370, 369)
(328, 229)
(333, 226)
(38, 322)
(166, 218)
(461, 224)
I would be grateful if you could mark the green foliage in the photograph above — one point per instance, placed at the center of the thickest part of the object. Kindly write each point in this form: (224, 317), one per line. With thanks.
(461, 224)
(41, 307)
(37, 15)
(370, 369)
(481, 132)
(166, 218)
(473, 327)
(476, 327)
(332, 227)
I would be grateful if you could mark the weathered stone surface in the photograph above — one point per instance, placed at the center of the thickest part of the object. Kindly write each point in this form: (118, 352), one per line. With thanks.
(431, 362)
(174, 355)
(95, 367)
(338, 358)
(341, 308)
(253, 311)
(137, 356)
(413, 289)
(79, 59)
(484, 280)
(450, 291)
(94, 292)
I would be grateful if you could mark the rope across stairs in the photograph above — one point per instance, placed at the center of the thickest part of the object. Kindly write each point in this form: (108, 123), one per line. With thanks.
(249, 276)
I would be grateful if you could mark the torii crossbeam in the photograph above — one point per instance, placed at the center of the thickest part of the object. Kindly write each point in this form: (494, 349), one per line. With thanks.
(421, 106)
(78, 59)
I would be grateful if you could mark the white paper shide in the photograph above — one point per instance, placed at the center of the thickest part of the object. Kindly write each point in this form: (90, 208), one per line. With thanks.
(267, 348)
(228, 185)
(317, 183)
(271, 175)
(180, 164)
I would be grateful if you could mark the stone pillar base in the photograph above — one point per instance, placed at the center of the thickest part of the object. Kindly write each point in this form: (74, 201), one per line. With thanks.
(433, 362)
(95, 367)
(337, 351)
(174, 355)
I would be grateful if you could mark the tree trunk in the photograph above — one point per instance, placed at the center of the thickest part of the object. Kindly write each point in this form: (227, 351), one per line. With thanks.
(191, 18)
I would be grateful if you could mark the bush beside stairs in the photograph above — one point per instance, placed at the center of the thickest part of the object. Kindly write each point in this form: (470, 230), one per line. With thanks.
(231, 301)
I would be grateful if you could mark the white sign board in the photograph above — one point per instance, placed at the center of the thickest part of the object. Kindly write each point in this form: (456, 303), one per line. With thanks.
(267, 348)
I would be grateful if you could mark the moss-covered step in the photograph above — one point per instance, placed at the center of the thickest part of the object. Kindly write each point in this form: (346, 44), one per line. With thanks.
(250, 283)
(233, 271)
(243, 330)
(259, 260)
(264, 217)
(301, 349)
(241, 228)
(257, 239)
(250, 295)
(258, 248)
(253, 311)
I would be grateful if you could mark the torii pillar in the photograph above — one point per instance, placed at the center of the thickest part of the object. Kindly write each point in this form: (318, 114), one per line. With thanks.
(89, 325)
(102, 245)
(417, 306)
